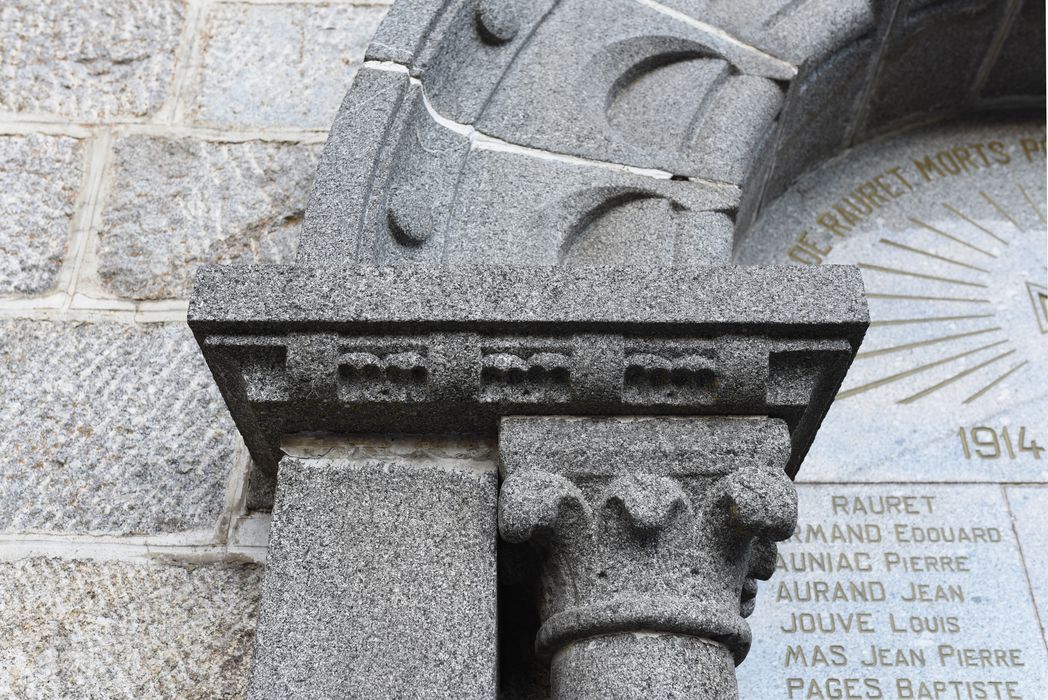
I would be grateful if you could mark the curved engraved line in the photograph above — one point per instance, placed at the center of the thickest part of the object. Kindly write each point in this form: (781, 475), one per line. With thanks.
(594, 214)
(734, 50)
(684, 616)
(388, 147)
(524, 43)
(647, 66)
(706, 104)
(782, 13)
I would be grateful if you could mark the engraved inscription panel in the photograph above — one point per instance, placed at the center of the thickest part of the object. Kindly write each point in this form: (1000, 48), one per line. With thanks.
(898, 592)
(948, 226)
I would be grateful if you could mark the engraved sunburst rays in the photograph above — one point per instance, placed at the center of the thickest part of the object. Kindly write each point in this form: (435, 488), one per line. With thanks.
(945, 274)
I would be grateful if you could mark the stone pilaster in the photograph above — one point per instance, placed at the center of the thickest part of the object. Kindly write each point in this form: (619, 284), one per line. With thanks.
(653, 533)
(380, 581)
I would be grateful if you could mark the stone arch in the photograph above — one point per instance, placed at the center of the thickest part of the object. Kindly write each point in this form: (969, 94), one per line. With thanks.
(473, 117)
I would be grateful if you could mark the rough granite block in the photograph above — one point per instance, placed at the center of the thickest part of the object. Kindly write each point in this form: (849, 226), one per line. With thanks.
(665, 666)
(814, 301)
(88, 60)
(470, 48)
(380, 580)
(821, 107)
(947, 40)
(39, 178)
(711, 446)
(402, 31)
(176, 203)
(652, 533)
(346, 174)
(109, 429)
(117, 629)
(519, 210)
(1017, 72)
(396, 186)
(280, 65)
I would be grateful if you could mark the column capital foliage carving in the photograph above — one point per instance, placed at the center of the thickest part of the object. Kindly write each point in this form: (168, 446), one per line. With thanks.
(659, 524)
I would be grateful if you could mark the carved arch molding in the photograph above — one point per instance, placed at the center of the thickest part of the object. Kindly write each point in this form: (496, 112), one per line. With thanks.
(646, 133)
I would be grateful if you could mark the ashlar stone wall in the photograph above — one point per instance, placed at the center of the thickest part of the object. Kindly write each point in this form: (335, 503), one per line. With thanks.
(139, 139)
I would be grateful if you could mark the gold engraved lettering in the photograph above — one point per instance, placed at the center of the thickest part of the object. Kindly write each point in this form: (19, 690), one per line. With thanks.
(808, 251)
(834, 688)
(961, 160)
(831, 224)
(885, 656)
(816, 657)
(824, 562)
(1032, 147)
(860, 533)
(796, 591)
(1000, 153)
(945, 534)
(896, 172)
(920, 564)
(926, 167)
(963, 657)
(908, 689)
(991, 443)
(924, 624)
(829, 623)
(934, 593)
(883, 505)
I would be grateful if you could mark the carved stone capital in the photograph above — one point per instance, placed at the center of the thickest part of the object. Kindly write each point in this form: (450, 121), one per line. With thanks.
(647, 525)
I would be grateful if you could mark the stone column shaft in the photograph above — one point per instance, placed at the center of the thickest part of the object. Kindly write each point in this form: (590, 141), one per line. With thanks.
(644, 665)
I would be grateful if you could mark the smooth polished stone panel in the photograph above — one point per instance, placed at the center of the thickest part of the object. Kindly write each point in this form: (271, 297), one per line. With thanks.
(1030, 513)
(947, 226)
(897, 592)
(380, 581)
